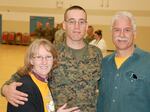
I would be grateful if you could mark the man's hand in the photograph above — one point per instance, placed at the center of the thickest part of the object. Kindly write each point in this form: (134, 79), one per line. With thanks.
(14, 96)
(64, 109)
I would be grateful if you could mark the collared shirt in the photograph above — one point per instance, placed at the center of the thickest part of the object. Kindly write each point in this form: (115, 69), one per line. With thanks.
(125, 89)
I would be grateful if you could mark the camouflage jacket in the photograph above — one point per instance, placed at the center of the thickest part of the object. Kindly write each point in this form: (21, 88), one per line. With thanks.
(75, 80)
(48, 34)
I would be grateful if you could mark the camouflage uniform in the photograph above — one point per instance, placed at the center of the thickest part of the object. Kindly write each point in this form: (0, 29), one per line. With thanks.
(88, 38)
(74, 81)
(49, 34)
(59, 36)
(38, 32)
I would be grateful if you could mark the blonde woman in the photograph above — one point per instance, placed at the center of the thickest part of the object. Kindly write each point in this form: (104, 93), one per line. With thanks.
(40, 59)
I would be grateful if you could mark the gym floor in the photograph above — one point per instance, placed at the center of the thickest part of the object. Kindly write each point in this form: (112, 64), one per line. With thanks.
(11, 58)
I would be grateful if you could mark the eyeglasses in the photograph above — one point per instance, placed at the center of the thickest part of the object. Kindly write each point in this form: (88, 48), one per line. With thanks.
(80, 22)
(40, 58)
(125, 30)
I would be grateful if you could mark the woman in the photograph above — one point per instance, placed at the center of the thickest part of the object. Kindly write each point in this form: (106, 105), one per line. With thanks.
(40, 59)
(99, 42)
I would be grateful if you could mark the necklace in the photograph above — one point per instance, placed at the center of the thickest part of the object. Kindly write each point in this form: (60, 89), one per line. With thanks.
(39, 77)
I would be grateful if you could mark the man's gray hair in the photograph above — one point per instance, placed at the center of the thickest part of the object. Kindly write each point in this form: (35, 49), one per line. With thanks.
(124, 14)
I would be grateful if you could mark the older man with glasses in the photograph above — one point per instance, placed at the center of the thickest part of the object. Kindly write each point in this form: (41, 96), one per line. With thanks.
(124, 85)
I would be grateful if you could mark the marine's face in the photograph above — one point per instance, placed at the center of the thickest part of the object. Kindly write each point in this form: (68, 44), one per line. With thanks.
(75, 25)
(123, 35)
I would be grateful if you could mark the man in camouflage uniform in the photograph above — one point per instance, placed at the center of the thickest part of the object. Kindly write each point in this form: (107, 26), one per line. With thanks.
(74, 81)
(38, 32)
(48, 32)
(59, 35)
(90, 34)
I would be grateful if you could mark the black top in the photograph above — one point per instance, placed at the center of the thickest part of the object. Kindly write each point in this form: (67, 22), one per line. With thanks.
(35, 101)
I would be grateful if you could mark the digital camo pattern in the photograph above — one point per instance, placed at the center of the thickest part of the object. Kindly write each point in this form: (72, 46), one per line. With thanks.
(49, 34)
(75, 80)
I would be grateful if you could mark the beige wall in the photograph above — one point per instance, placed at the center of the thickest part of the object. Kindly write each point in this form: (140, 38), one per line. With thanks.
(15, 26)
(16, 15)
(142, 39)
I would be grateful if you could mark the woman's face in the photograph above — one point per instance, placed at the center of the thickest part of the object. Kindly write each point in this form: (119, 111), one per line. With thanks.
(42, 62)
(96, 36)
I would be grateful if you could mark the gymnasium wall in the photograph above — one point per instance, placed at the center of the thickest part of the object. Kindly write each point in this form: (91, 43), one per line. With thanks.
(16, 15)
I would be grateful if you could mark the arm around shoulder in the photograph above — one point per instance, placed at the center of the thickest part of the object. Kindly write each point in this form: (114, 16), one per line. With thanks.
(14, 78)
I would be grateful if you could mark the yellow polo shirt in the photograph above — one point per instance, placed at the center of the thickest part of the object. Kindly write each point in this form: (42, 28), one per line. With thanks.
(119, 61)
